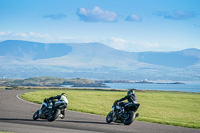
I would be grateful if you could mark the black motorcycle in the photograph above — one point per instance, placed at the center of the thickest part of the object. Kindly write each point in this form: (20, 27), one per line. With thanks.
(51, 110)
(124, 114)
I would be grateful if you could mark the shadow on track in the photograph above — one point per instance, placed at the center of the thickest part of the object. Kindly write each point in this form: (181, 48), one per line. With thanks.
(90, 122)
(13, 120)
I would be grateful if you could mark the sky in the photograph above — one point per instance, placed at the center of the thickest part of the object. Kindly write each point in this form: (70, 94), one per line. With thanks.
(129, 25)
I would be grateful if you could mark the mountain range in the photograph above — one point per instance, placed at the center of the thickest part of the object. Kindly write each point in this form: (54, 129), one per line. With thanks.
(23, 59)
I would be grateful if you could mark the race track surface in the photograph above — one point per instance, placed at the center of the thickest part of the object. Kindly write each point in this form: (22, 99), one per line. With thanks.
(16, 116)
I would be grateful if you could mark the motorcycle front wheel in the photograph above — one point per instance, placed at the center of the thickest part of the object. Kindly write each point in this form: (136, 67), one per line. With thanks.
(130, 119)
(109, 118)
(36, 115)
(54, 115)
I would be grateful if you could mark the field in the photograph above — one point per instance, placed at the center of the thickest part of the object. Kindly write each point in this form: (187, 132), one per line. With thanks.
(171, 108)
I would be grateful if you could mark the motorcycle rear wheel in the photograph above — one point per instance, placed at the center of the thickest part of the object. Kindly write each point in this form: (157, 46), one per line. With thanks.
(53, 116)
(109, 118)
(130, 119)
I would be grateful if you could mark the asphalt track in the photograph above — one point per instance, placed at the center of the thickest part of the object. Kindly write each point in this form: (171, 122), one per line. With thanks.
(16, 116)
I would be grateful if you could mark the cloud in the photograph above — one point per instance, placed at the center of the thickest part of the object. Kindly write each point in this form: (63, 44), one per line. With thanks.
(29, 35)
(55, 16)
(176, 15)
(23, 36)
(96, 15)
(133, 18)
(149, 45)
(32, 36)
(130, 46)
(4, 33)
(118, 40)
(118, 43)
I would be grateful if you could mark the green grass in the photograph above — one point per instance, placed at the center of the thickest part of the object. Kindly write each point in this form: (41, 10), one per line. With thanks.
(171, 108)
(2, 88)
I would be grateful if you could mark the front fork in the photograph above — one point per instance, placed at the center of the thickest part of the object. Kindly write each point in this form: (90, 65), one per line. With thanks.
(114, 117)
(40, 111)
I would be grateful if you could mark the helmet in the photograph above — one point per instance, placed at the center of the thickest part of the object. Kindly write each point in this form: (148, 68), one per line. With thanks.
(130, 92)
(63, 94)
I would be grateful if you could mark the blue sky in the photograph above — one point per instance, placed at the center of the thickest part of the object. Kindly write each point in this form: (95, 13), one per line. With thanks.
(129, 25)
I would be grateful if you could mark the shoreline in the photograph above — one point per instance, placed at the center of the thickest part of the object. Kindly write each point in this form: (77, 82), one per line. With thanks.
(86, 88)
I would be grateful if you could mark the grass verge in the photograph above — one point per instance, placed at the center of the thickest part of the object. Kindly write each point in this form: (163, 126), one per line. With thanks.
(2, 88)
(171, 108)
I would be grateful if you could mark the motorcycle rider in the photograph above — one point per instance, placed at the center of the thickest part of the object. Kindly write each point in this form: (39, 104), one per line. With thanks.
(51, 100)
(56, 97)
(131, 97)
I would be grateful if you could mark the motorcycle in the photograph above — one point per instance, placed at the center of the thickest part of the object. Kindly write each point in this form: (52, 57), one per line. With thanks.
(51, 110)
(124, 114)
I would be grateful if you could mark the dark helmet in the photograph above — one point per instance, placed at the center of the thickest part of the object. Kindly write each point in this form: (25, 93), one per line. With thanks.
(130, 92)
(63, 94)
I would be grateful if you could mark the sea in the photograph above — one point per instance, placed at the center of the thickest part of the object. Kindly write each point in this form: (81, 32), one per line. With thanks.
(187, 87)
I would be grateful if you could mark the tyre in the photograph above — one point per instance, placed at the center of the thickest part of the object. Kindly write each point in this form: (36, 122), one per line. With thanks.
(130, 119)
(36, 115)
(109, 118)
(53, 116)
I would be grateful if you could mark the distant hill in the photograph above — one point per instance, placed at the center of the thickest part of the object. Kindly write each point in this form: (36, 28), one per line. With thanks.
(83, 55)
(32, 50)
(178, 59)
(52, 82)
(22, 59)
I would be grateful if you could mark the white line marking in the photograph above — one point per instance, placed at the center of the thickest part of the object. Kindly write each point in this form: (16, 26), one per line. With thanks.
(39, 104)
(25, 101)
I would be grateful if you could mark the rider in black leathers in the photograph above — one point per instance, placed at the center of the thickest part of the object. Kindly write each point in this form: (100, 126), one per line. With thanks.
(131, 97)
(55, 97)
(51, 99)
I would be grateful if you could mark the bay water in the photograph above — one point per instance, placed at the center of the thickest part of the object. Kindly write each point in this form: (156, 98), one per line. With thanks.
(188, 87)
